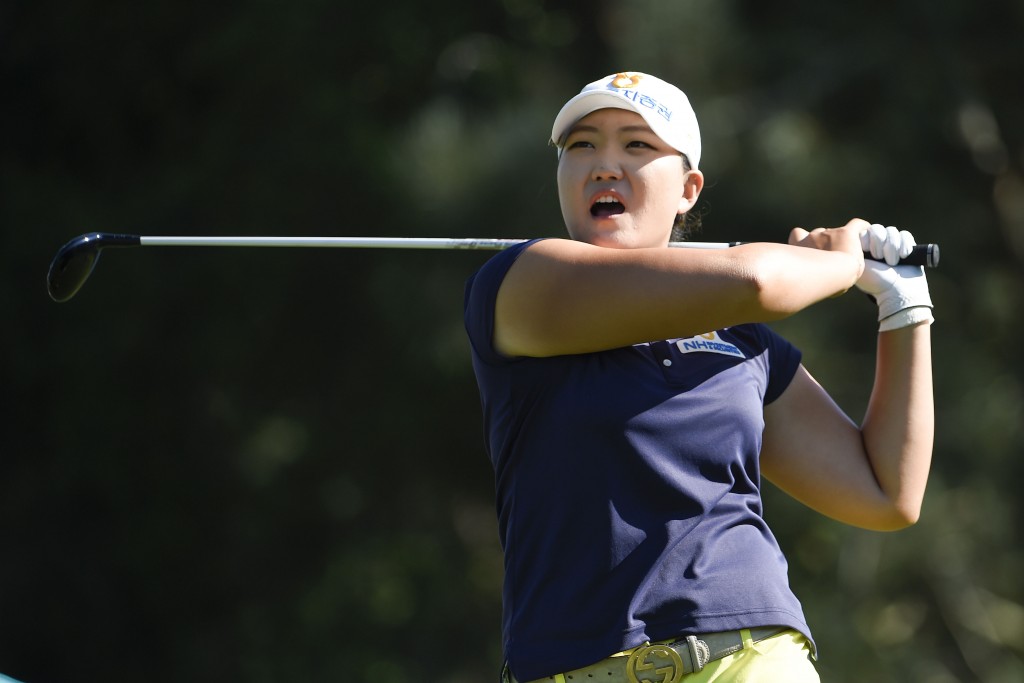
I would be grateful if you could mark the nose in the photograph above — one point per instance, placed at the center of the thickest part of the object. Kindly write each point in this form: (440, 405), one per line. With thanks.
(606, 167)
(605, 173)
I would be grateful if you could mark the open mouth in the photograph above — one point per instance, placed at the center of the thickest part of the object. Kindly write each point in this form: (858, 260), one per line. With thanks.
(606, 206)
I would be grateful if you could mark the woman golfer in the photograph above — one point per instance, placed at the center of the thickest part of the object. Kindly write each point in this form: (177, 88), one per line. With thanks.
(633, 399)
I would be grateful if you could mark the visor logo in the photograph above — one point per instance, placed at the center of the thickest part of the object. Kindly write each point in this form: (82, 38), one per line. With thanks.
(630, 79)
(626, 79)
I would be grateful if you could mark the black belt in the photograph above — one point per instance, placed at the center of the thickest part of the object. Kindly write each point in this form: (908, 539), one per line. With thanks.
(664, 662)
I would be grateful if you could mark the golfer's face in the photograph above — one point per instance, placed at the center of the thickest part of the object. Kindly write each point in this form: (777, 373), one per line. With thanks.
(619, 184)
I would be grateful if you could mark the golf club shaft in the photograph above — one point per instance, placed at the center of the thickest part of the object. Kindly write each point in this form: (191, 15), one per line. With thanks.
(367, 242)
(74, 262)
(923, 254)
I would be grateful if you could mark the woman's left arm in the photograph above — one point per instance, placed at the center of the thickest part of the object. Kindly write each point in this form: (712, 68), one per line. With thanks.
(872, 476)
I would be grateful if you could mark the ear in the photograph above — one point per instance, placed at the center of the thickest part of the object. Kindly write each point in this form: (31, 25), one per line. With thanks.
(693, 184)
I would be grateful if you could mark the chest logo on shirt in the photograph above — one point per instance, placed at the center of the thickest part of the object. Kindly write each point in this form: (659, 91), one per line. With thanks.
(709, 342)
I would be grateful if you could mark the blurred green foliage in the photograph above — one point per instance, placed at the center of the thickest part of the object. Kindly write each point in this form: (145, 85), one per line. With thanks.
(267, 465)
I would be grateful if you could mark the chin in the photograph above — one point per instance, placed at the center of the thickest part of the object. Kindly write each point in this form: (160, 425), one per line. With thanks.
(605, 236)
(614, 242)
(600, 240)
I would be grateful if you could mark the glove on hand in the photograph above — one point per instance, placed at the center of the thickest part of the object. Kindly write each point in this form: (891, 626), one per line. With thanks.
(901, 292)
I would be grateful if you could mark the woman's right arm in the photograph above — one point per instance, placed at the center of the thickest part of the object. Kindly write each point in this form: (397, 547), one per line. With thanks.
(565, 297)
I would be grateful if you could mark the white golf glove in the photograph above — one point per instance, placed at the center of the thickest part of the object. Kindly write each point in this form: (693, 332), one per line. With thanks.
(901, 292)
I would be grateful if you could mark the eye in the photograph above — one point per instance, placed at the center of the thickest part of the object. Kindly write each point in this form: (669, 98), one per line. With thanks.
(639, 144)
(579, 144)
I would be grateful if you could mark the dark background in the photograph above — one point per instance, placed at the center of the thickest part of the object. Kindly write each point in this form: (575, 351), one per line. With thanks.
(267, 465)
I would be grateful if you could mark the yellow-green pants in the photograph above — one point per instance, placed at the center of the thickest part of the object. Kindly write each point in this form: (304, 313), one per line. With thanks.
(785, 658)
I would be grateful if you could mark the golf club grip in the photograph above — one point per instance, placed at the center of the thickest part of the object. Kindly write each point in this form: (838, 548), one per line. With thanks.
(926, 255)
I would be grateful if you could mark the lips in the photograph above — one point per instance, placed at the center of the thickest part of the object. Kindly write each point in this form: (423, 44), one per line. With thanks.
(606, 205)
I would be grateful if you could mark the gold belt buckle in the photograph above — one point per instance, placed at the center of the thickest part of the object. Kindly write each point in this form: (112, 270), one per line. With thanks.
(654, 660)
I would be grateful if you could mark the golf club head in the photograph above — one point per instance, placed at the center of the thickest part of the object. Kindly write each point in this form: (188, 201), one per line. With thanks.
(74, 262)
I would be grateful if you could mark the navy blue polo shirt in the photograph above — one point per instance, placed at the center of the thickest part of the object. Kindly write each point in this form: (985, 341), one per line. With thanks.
(628, 488)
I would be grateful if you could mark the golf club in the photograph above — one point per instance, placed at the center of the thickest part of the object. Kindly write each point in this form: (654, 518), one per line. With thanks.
(75, 261)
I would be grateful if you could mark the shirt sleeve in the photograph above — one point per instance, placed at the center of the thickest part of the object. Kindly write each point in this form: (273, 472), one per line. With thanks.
(783, 362)
(481, 295)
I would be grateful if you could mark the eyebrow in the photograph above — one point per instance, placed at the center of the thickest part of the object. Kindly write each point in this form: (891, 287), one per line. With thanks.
(594, 129)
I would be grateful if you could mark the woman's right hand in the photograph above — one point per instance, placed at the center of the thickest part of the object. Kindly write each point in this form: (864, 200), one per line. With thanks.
(845, 239)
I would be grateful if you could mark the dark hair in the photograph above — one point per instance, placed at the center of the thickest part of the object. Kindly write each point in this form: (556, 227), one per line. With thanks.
(686, 224)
